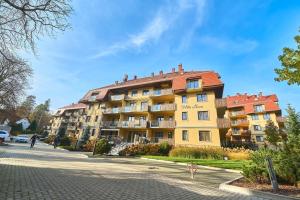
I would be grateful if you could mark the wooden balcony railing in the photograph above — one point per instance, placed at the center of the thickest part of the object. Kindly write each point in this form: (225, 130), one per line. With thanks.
(112, 110)
(221, 103)
(134, 124)
(117, 97)
(163, 107)
(237, 113)
(223, 123)
(161, 92)
(163, 124)
(243, 133)
(239, 123)
(71, 128)
(110, 124)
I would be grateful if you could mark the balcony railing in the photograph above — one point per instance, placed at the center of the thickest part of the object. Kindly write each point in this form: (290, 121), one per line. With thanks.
(71, 128)
(163, 107)
(160, 140)
(112, 110)
(161, 92)
(237, 113)
(162, 124)
(128, 109)
(223, 123)
(280, 119)
(243, 133)
(240, 123)
(117, 97)
(221, 103)
(110, 124)
(134, 124)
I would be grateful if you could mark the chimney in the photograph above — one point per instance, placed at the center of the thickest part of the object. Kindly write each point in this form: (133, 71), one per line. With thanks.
(135, 77)
(161, 73)
(116, 82)
(152, 74)
(173, 70)
(180, 69)
(260, 94)
(125, 78)
(238, 94)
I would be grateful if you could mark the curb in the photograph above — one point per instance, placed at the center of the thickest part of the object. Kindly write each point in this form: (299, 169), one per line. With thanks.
(250, 192)
(202, 166)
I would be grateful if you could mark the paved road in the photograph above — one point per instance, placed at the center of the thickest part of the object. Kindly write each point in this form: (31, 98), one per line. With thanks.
(45, 173)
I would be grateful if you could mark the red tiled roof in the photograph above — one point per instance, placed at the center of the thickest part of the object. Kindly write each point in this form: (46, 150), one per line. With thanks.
(73, 106)
(248, 101)
(209, 79)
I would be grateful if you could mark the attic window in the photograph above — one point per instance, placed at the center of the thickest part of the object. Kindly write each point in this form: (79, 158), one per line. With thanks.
(193, 84)
(93, 96)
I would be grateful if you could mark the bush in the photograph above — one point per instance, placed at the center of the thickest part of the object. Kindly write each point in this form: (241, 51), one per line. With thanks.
(102, 147)
(89, 146)
(69, 148)
(65, 141)
(237, 153)
(198, 152)
(50, 139)
(146, 149)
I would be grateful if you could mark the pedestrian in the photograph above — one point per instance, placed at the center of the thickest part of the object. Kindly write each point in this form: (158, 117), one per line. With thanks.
(33, 140)
(55, 142)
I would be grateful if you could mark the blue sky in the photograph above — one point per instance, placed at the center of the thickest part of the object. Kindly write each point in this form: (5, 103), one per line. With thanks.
(240, 40)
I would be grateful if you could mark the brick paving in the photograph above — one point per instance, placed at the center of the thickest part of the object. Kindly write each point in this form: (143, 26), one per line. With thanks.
(45, 173)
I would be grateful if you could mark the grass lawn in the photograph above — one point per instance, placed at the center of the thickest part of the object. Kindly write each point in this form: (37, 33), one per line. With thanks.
(225, 164)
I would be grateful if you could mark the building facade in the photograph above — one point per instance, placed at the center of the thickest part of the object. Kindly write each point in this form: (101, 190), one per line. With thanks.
(183, 108)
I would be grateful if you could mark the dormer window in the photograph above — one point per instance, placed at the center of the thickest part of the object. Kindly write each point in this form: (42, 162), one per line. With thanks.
(193, 84)
(134, 93)
(93, 96)
(259, 108)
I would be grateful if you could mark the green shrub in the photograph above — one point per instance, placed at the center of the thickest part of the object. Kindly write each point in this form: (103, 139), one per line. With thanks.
(146, 149)
(102, 147)
(65, 141)
(164, 148)
(198, 152)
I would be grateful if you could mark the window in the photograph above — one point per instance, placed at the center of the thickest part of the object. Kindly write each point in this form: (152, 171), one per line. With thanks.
(93, 132)
(170, 135)
(99, 105)
(258, 108)
(144, 105)
(201, 97)
(158, 136)
(145, 92)
(254, 117)
(257, 127)
(88, 118)
(96, 118)
(184, 99)
(90, 106)
(184, 116)
(131, 118)
(202, 115)
(134, 93)
(267, 116)
(157, 92)
(185, 135)
(191, 84)
(204, 136)
(259, 138)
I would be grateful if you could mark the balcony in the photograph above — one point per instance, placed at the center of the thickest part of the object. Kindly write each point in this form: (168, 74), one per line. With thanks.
(71, 128)
(162, 124)
(110, 124)
(134, 124)
(129, 109)
(237, 113)
(243, 133)
(240, 123)
(223, 123)
(280, 119)
(221, 103)
(161, 92)
(160, 140)
(117, 97)
(112, 111)
(163, 107)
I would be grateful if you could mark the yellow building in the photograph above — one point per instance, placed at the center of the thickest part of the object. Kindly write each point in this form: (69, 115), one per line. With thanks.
(183, 108)
(69, 119)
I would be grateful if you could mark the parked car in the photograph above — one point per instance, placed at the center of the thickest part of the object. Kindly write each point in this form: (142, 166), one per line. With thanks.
(4, 135)
(22, 138)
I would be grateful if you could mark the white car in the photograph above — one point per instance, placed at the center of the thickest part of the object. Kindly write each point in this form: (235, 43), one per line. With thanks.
(21, 138)
(4, 135)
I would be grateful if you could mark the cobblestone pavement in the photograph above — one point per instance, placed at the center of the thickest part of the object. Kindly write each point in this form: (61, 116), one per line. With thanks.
(45, 173)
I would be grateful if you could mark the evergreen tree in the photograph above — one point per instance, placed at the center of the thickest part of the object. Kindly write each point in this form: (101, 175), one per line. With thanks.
(272, 133)
(61, 132)
(86, 135)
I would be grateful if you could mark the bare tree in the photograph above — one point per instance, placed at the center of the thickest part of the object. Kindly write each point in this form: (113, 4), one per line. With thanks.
(22, 22)
(14, 74)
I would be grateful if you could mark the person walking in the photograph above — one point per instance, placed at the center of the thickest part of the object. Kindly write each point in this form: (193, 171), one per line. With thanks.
(55, 142)
(33, 140)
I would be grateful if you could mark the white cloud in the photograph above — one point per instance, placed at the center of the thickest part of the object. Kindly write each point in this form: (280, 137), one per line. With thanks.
(237, 46)
(164, 19)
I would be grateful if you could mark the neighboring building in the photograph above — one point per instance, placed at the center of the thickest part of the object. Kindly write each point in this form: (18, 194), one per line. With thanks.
(183, 108)
(4, 125)
(25, 123)
(68, 118)
(249, 115)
